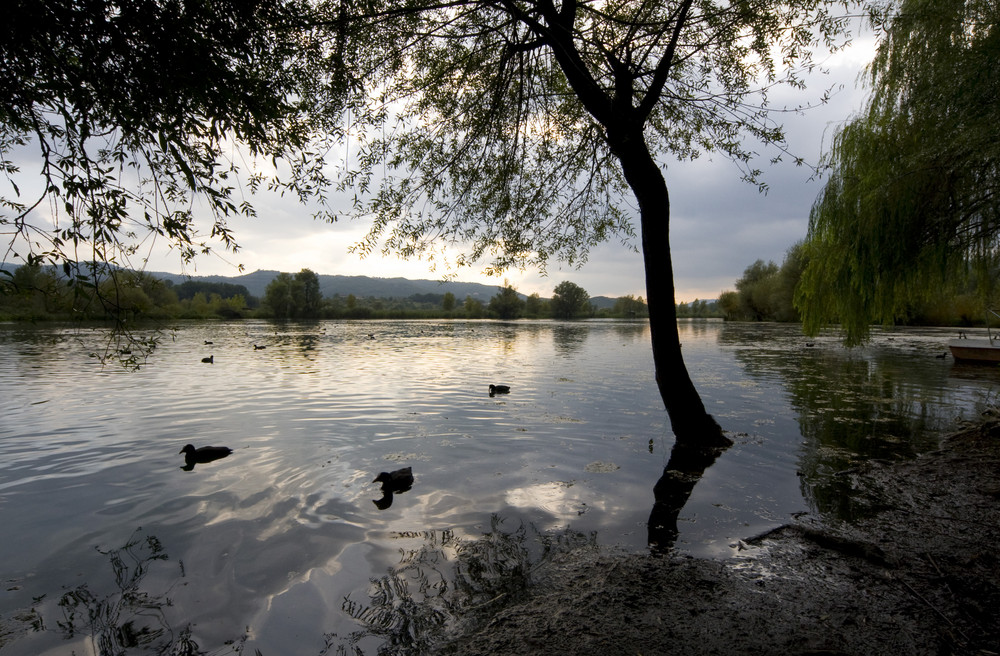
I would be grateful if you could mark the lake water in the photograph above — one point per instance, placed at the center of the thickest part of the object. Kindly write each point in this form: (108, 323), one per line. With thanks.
(107, 541)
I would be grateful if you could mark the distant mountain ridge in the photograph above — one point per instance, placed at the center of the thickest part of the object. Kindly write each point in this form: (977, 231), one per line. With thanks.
(361, 286)
(365, 286)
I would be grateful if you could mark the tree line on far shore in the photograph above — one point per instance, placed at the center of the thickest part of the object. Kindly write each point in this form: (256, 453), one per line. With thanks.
(36, 293)
(765, 292)
(769, 292)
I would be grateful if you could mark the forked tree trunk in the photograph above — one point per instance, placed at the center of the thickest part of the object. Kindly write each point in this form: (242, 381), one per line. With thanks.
(690, 422)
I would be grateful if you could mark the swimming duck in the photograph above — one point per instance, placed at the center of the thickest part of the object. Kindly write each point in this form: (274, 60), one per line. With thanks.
(209, 360)
(258, 348)
(499, 389)
(400, 480)
(204, 454)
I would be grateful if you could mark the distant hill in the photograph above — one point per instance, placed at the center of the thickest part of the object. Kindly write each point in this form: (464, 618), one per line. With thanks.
(364, 286)
(601, 302)
(360, 286)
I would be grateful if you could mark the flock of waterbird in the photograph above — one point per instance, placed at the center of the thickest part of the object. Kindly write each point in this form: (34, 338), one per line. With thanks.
(394, 482)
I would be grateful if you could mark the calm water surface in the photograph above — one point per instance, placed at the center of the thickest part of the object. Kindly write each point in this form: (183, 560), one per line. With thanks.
(263, 546)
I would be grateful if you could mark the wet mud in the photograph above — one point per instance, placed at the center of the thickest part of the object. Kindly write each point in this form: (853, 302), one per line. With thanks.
(919, 575)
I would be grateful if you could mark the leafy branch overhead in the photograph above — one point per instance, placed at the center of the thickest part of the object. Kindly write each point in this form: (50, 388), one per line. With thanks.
(499, 125)
(120, 121)
(480, 123)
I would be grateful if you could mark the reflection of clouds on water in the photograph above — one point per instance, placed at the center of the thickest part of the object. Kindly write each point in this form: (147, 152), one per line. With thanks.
(236, 568)
(288, 520)
(563, 500)
(279, 535)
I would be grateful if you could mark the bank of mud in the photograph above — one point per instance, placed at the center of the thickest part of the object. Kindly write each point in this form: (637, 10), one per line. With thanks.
(920, 575)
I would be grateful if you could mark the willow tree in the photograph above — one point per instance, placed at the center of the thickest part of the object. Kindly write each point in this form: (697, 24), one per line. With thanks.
(528, 131)
(913, 193)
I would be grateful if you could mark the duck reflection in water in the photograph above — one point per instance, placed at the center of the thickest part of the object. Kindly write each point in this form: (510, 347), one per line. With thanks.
(393, 482)
(193, 456)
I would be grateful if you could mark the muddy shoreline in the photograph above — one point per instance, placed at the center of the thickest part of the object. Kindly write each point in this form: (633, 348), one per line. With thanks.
(920, 576)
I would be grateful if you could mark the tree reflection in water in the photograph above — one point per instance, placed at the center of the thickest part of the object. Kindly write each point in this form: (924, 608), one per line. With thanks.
(685, 468)
(851, 407)
(450, 585)
(127, 620)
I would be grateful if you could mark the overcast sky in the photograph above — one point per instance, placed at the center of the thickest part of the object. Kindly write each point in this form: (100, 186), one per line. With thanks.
(719, 224)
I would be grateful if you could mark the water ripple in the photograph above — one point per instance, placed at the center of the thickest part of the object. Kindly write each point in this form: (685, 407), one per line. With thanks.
(87, 454)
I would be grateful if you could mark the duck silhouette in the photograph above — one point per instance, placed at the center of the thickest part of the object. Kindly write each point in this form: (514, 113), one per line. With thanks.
(499, 389)
(209, 360)
(258, 348)
(400, 480)
(392, 482)
(193, 456)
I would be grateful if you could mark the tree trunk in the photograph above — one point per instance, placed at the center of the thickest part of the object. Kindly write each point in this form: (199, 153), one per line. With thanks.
(690, 422)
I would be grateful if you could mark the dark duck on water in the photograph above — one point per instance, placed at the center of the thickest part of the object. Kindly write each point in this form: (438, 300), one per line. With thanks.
(392, 482)
(499, 389)
(400, 480)
(193, 456)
